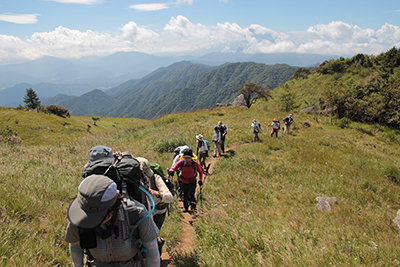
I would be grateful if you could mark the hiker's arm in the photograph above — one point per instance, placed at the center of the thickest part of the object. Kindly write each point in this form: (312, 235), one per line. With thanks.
(152, 254)
(76, 253)
(163, 189)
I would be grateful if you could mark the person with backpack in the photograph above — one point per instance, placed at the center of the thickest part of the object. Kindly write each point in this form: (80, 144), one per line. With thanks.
(223, 130)
(178, 152)
(202, 151)
(288, 120)
(160, 193)
(217, 141)
(100, 222)
(256, 129)
(275, 127)
(188, 169)
(158, 190)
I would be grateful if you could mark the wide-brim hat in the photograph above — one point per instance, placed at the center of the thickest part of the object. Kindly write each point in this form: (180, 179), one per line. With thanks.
(199, 137)
(99, 152)
(96, 195)
(145, 167)
(188, 153)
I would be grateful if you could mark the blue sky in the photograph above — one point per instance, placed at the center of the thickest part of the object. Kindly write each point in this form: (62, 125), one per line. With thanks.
(30, 29)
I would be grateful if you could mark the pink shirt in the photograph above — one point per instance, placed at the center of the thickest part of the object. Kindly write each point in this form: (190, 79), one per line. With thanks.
(187, 171)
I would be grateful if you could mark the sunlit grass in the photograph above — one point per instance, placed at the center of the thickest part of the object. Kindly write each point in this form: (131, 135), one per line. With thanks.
(259, 206)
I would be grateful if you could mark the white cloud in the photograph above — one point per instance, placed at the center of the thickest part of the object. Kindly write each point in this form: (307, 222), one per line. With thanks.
(180, 35)
(188, 2)
(149, 7)
(20, 18)
(14, 50)
(84, 2)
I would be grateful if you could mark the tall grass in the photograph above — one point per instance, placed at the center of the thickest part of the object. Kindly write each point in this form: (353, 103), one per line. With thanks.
(259, 205)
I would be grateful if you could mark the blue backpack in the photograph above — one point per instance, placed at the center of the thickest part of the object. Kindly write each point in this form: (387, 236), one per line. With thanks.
(208, 145)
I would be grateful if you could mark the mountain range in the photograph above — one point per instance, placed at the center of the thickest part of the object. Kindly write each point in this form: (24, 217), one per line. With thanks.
(182, 86)
(50, 76)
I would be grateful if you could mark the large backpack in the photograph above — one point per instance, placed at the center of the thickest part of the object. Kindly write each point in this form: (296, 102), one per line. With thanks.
(193, 165)
(124, 171)
(208, 145)
(157, 169)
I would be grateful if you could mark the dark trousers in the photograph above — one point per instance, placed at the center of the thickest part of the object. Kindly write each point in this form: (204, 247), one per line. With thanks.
(188, 191)
(202, 159)
(159, 219)
(223, 143)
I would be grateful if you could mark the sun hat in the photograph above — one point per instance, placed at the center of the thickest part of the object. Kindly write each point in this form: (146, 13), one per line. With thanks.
(216, 127)
(199, 137)
(96, 195)
(145, 167)
(220, 122)
(99, 152)
(188, 153)
(274, 120)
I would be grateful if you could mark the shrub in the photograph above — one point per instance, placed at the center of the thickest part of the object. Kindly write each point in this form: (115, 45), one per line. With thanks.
(392, 173)
(168, 145)
(57, 110)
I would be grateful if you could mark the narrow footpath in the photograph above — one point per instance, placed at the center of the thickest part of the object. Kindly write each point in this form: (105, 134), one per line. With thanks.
(186, 241)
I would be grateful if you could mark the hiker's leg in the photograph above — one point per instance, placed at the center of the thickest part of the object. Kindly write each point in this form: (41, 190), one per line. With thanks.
(159, 219)
(215, 149)
(185, 191)
(191, 192)
(223, 143)
(219, 149)
(288, 129)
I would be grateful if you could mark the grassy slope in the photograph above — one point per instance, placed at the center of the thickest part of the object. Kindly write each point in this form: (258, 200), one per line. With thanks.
(260, 204)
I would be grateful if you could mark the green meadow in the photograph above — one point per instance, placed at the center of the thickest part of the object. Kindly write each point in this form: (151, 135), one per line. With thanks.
(258, 207)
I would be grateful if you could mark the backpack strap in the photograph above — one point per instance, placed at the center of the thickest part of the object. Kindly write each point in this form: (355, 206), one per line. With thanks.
(193, 166)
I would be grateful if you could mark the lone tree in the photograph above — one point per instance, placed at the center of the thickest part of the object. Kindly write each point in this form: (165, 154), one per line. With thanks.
(31, 99)
(252, 92)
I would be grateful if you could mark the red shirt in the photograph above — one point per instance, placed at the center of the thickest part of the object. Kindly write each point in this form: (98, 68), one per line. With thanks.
(187, 171)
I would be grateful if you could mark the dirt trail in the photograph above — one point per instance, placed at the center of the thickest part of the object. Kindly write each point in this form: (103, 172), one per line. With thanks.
(185, 243)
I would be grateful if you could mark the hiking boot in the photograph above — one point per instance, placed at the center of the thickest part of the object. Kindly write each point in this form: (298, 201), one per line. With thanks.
(192, 206)
(184, 210)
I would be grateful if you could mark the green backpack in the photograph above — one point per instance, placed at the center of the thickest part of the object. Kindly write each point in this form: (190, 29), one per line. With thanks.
(157, 169)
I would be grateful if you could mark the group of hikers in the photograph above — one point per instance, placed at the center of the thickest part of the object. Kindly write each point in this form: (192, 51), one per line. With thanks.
(122, 201)
(276, 125)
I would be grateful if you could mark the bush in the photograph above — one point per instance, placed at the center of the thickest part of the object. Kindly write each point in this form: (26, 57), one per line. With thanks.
(168, 145)
(57, 110)
(393, 174)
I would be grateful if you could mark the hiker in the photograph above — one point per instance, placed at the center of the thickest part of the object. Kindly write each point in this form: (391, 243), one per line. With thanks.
(256, 129)
(202, 151)
(178, 152)
(161, 195)
(158, 190)
(188, 169)
(217, 141)
(223, 130)
(275, 127)
(288, 120)
(99, 224)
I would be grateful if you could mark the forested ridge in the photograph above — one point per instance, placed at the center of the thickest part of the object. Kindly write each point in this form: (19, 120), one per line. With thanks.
(364, 88)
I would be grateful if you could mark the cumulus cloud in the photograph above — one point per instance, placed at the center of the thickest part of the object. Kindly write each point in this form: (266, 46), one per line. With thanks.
(180, 35)
(149, 7)
(20, 18)
(84, 2)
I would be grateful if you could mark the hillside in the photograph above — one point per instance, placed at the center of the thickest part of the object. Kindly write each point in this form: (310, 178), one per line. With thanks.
(183, 86)
(217, 87)
(258, 207)
(363, 88)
